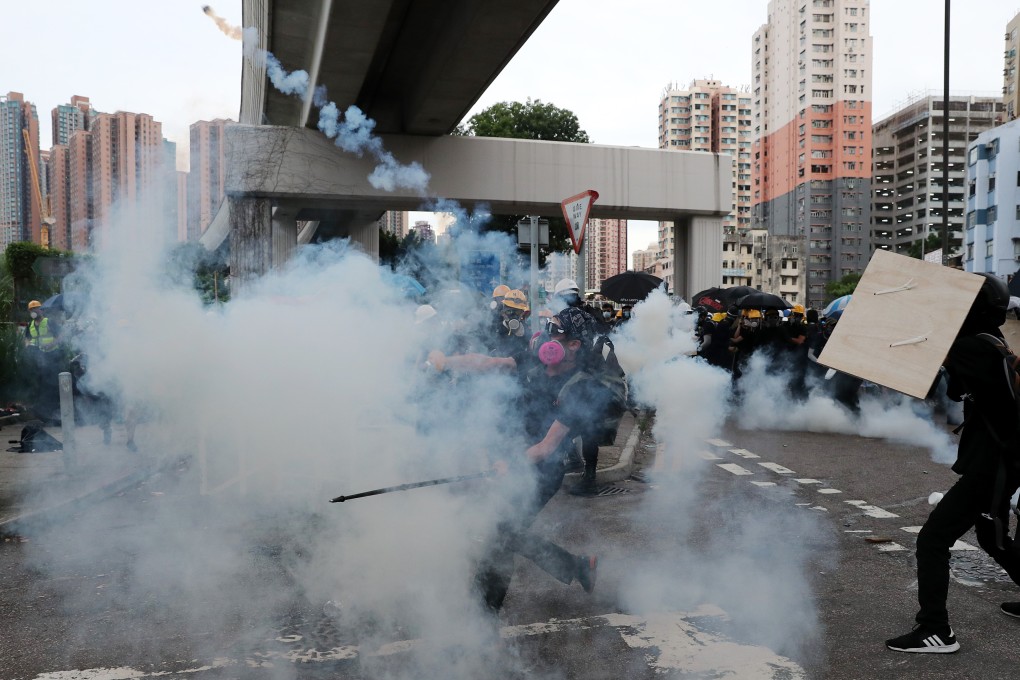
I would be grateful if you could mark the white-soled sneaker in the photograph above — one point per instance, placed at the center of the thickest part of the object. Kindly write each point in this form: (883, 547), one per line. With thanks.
(1011, 609)
(923, 640)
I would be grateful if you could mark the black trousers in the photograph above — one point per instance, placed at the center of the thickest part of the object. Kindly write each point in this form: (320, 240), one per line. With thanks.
(513, 536)
(964, 506)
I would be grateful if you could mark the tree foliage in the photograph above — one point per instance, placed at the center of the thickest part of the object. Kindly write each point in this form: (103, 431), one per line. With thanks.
(844, 286)
(931, 244)
(533, 119)
(528, 120)
(20, 259)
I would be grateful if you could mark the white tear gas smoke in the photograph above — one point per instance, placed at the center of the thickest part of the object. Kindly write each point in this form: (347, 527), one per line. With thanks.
(353, 133)
(305, 387)
(765, 402)
(719, 544)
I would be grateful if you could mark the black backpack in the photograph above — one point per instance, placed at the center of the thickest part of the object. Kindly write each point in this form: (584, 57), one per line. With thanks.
(34, 439)
(607, 371)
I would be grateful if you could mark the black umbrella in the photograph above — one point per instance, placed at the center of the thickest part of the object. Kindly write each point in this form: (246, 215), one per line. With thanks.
(55, 302)
(711, 299)
(630, 286)
(733, 294)
(760, 300)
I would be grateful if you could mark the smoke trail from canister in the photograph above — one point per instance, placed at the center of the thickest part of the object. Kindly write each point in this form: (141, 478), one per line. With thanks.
(353, 131)
(232, 32)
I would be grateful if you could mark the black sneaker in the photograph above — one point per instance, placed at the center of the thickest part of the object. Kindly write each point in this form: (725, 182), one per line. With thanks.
(925, 641)
(1011, 609)
(586, 570)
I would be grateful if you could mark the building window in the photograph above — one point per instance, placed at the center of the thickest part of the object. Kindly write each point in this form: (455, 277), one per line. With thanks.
(972, 158)
(989, 248)
(992, 214)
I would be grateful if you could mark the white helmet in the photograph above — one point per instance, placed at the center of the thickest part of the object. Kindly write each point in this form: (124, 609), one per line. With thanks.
(566, 285)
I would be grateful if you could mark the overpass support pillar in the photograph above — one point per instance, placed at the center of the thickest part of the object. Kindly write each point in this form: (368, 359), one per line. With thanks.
(251, 226)
(697, 254)
(367, 236)
(285, 233)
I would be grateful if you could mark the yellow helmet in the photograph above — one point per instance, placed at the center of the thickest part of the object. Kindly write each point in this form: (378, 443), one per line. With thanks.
(798, 309)
(516, 299)
(752, 314)
(501, 290)
(718, 316)
(33, 304)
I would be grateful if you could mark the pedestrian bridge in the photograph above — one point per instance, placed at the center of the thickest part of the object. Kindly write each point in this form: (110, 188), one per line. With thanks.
(417, 67)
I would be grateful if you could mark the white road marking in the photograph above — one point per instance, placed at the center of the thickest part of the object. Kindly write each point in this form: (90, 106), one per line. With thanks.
(803, 505)
(777, 468)
(720, 443)
(872, 510)
(807, 481)
(857, 531)
(669, 642)
(763, 483)
(820, 508)
(734, 468)
(744, 453)
(830, 491)
(708, 455)
(890, 547)
(958, 546)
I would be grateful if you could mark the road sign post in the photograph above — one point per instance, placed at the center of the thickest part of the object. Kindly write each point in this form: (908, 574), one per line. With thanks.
(576, 210)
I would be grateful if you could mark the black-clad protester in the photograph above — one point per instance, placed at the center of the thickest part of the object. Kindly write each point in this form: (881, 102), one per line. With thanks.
(987, 462)
(560, 403)
(718, 352)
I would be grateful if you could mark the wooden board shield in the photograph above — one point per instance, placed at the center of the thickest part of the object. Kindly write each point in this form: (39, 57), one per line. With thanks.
(900, 323)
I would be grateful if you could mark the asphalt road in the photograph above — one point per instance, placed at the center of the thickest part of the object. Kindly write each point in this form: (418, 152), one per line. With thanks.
(748, 559)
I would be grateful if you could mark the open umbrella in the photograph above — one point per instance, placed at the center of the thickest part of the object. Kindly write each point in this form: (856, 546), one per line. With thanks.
(760, 300)
(711, 299)
(733, 294)
(630, 287)
(835, 308)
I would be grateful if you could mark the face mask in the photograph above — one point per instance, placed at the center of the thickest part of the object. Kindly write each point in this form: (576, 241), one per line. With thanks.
(34, 315)
(607, 315)
(626, 315)
(551, 353)
(514, 325)
(493, 305)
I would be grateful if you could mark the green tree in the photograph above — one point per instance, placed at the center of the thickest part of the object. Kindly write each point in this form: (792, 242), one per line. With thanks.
(844, 286)
(533, 119)
(389, 248)
(529, 120)
(932, 243)
(20, 259)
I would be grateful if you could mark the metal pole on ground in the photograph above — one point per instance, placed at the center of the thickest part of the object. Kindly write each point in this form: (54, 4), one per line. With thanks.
(67, 419)
(534, 273)
(582, 268)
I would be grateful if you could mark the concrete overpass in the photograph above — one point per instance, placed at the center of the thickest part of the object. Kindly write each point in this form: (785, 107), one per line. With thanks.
(417, 67)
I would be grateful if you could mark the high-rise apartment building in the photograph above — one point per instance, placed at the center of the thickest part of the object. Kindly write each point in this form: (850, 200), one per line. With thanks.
(208, 174)
(182, 206)
(79, 190)
(644, 260)
(708, 116)
(1010, 82)
(425, 231)
(69, 118)
(127, 176)
(992, 234)
(908, 176)
(395, 222)
(605, 250)
(811, 68)
(20, 208)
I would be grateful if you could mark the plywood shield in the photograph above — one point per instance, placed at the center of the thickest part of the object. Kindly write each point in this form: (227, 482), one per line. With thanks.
(901, 321)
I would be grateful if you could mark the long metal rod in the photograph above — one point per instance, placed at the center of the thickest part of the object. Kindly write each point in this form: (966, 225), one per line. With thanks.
(945, 143)
(415, 485)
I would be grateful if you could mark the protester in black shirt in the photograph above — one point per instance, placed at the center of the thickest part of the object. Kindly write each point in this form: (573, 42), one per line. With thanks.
(987, 465)
(560, 403)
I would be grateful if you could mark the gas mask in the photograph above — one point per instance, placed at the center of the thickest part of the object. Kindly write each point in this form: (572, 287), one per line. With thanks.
(551, 353)
(513, 325)
(626, 315)
(494, 305)
(570, 299)
(34, 315)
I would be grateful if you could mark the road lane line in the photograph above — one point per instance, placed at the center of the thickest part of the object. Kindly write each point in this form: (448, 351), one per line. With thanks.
(734, 468)
(744, 453)
(872, 510)
(777, 468)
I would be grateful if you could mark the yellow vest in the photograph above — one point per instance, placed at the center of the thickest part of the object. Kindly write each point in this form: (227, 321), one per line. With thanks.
(39, 336)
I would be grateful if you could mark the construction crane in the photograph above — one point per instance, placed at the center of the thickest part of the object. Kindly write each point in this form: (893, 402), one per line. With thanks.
(44, 206)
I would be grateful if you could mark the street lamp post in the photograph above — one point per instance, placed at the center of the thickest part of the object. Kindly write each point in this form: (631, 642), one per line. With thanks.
(945, 143)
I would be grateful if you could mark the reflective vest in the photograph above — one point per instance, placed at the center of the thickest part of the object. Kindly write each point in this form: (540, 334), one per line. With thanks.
(39, 336)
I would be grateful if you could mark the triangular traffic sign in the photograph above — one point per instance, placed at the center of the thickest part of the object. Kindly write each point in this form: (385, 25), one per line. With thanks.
(575, 211)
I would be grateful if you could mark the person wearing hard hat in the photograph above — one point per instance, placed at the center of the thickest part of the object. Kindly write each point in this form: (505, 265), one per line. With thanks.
(512, 336)
(38, 332)
(745, 339)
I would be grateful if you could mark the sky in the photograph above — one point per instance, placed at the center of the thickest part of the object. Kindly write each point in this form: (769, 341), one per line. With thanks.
(606, 61)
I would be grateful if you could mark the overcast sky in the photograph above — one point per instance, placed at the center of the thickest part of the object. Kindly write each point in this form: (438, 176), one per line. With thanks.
(605, 60)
